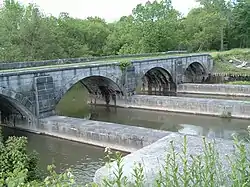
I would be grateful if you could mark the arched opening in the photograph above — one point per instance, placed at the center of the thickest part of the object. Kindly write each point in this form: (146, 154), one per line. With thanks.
(158, 81)
(93, 90)
(13, 113)
(195, 73)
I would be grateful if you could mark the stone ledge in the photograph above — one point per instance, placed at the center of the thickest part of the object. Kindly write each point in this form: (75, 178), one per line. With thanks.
(203, 106)
(120, 137)
(215, 89)
(152, 157)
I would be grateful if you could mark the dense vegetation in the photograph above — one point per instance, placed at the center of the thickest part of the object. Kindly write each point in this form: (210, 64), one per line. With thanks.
(26, 33)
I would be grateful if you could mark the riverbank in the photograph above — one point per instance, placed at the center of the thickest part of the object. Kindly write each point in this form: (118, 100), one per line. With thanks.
(229, 62)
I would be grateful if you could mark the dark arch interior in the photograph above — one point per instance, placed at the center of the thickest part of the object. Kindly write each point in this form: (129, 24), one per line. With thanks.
(195, 73)
(158, 81)
(99, 88)
(102, 87)
(11, 113)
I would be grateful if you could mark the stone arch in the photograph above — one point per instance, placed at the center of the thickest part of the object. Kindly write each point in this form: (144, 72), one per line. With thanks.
(15, 105)
(195, 72)
(97, 85)
(158, 81)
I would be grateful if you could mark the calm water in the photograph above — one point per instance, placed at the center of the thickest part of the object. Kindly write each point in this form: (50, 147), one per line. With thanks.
(183, 123)
(84, 159)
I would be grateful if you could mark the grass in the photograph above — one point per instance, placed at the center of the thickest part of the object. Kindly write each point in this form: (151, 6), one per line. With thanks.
(239, 83)
(221, 61)
(204, 170)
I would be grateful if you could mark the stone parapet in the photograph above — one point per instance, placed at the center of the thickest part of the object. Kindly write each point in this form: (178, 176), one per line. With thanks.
(18, 65)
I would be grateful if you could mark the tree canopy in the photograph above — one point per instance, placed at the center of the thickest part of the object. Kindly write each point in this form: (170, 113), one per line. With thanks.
(26, 33)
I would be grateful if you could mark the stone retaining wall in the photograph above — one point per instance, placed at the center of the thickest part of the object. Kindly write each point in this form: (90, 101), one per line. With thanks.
(214, 107)
(116, 136)
(215, 89)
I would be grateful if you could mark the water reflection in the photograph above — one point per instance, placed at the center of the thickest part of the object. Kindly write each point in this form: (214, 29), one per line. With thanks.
(183, 123)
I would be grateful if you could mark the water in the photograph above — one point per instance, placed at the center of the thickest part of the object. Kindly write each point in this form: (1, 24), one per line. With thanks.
(83, 159)
(183, 123)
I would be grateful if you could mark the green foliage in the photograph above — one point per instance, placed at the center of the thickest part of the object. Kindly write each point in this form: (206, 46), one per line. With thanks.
(124, 64)
(182, 169)
(20, 169)
(239, 83)
(222, 61)
(28, 34)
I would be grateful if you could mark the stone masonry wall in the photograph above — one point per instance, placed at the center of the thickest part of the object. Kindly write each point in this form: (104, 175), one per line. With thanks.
(44, 95)
(216, 107)
(215, 89)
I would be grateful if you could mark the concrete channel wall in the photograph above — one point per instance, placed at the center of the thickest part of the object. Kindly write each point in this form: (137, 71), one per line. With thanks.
(103, 134)
(213, 107)
(215, 89)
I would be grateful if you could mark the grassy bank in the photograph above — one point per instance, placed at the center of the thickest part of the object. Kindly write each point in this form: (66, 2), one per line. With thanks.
(239, 83)
(222, 64)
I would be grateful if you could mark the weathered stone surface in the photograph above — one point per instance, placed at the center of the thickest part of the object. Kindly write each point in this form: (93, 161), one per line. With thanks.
(216, 107)
(120, 137)
(215, 89)
(52, 83)
(16, 65)
(152, 157)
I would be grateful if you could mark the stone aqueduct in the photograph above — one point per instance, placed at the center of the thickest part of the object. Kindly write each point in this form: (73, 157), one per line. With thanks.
(34, 93)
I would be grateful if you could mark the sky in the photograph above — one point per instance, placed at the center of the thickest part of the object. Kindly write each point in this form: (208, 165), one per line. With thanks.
(110, 10)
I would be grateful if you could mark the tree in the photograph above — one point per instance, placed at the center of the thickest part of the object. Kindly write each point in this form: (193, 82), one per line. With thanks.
(240, 24)
(218, 9)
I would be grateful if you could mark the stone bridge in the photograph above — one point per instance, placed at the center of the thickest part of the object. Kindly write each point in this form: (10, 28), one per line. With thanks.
(33, 93)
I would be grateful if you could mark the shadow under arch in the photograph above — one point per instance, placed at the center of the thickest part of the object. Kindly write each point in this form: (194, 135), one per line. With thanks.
(14, 108)
(158, 81)
(99, 87)
(195, 73)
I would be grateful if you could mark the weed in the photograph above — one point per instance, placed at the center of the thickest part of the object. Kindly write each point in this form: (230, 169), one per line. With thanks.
(183, 170)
